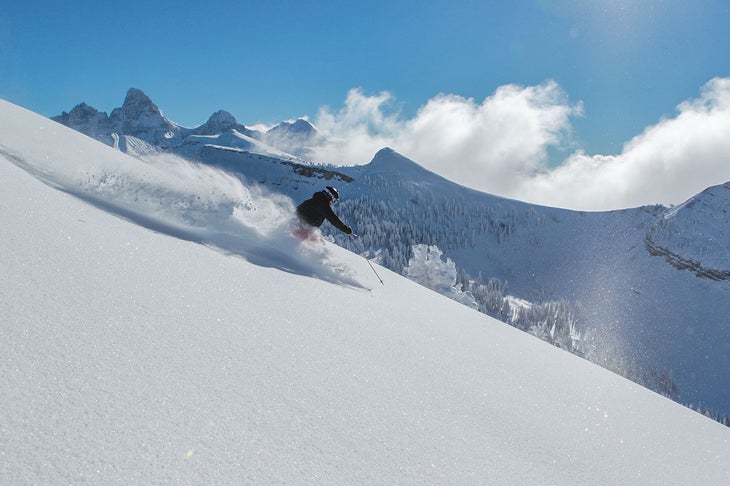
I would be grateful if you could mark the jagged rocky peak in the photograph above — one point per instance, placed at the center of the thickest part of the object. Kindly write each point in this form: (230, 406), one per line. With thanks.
(137, 102)
(141, 118)
(84, 118)
(82, 111)
(79, 113)
(137, 106)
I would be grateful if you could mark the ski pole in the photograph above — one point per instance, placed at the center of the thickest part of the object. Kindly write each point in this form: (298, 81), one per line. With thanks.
(362, 251)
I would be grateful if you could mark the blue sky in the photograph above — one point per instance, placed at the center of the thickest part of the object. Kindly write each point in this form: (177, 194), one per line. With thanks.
(621, 66)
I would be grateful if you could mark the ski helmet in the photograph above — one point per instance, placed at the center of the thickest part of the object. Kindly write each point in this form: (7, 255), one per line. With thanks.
(332, 193)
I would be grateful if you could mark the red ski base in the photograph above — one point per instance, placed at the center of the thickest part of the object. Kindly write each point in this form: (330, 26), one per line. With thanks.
(304, 234)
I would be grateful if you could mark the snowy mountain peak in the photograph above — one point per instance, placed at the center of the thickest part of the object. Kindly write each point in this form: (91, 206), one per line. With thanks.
(387, 159)
(85, 119)
(82, 111)
(138, 105)
(219, 122)
(222, 119)
(390, 163)
(293, 137)
(300, 126)
(141, 118)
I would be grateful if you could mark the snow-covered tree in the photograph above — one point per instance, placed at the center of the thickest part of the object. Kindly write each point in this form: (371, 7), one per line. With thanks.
(428, 269)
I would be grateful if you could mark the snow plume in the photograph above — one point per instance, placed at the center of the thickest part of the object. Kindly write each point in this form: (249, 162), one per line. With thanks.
(174, 196)
(191, 196)
(501, 146)
(166, 194)
(209, 206)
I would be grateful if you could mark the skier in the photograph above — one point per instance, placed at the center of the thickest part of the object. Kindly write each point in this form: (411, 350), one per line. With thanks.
(315, 210)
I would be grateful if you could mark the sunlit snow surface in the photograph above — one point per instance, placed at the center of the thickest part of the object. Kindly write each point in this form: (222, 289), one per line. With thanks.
(191, 341)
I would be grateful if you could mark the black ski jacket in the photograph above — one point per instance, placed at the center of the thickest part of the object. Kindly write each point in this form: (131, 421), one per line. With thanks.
(315, 210)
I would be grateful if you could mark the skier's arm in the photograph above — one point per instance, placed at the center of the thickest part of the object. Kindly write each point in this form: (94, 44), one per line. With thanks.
(336, 222)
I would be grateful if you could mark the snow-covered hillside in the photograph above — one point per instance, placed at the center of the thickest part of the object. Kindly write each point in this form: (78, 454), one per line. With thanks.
(175, 333)
(690, 234)
(637, 314)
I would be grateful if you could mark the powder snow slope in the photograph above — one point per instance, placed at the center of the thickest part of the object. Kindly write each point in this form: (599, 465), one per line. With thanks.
(133, 354)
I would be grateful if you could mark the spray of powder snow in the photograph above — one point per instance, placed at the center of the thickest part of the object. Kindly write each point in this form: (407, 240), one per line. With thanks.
(193, 197)
(207, 205)
(199, 203)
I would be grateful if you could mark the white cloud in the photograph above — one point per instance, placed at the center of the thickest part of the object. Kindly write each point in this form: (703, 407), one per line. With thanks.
(500, 146)
(668, 163)
(358, 130)
(490, 145)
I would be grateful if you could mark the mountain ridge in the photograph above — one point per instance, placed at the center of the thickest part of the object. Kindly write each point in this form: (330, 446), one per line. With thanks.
(140, 117)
